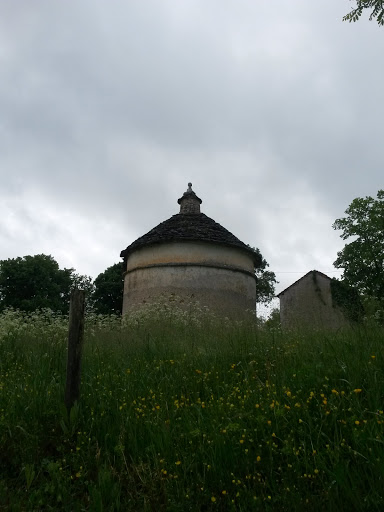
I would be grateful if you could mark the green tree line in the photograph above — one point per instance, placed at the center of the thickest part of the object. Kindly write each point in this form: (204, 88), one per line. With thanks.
(36, 282)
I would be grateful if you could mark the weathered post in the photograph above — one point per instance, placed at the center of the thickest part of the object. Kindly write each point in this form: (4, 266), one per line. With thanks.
(75, 345)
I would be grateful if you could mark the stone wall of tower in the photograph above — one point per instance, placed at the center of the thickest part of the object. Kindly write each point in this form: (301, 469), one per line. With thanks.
(218, 277)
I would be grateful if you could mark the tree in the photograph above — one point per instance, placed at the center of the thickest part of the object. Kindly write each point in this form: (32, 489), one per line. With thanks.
(363, 258)
(377, 7)
(273, 320)
(83, 283)
(36, 282)
(108, 294)
(265, 280)
(265, 287)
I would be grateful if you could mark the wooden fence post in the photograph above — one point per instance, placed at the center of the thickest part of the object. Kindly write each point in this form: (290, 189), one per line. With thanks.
(75, 345)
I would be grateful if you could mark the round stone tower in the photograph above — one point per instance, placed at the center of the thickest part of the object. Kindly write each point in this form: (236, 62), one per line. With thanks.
(191, 257)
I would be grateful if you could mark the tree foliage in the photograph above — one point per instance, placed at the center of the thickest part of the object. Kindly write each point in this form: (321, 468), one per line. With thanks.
(273, 320)
(363, 258)
(347, 299)
(376, 7)
(35, 282)
(108, 294)
(265, 280)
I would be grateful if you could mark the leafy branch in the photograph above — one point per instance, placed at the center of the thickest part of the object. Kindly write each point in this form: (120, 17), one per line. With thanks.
(377, 13)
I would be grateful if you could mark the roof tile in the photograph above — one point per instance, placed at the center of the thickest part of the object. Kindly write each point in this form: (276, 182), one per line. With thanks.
(188, 227)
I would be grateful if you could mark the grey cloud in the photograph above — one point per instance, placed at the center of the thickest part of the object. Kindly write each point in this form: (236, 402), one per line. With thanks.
(110, 110)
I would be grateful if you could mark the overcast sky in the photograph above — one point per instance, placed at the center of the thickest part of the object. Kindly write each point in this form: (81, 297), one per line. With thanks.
(273, 110)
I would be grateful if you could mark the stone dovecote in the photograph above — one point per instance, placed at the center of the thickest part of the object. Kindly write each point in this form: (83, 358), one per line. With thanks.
(193, 258)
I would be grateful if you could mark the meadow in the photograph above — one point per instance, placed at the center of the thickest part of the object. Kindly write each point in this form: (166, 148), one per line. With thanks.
(180, 411)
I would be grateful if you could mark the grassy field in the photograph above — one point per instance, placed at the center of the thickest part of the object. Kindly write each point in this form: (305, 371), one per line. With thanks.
(182, 412)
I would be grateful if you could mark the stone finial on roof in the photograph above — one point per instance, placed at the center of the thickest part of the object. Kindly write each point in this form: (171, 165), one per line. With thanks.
(189, 202)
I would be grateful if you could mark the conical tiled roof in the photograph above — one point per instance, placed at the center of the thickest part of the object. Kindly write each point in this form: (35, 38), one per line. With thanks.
(196, 227)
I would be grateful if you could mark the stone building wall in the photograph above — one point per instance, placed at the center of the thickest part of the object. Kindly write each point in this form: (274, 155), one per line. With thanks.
(219, 277)
(190, 252)
(308, 303)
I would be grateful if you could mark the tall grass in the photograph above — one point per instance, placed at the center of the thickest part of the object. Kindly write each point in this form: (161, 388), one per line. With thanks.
(180, 411)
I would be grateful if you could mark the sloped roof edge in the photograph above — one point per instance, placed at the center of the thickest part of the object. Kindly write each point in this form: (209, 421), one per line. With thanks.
(301, 278)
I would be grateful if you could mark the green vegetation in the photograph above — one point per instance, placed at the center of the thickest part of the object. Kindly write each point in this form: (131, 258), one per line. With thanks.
(36, 282)
(107, 297)
(361, 289)
(362, 259)
(377, 11)
(182, 412)
(347, 299)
